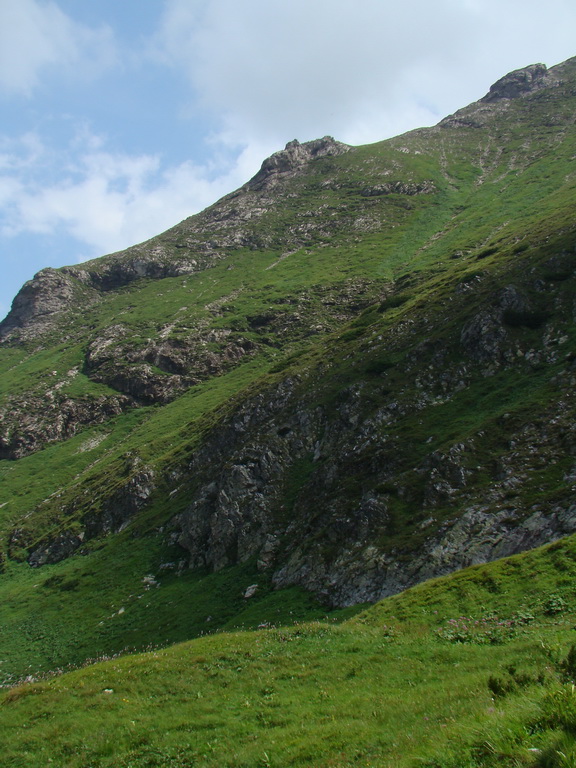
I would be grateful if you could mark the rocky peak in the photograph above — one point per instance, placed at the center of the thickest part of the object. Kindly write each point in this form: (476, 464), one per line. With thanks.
(294, 156)
(41, 299)
(518, 82)
(51, 292)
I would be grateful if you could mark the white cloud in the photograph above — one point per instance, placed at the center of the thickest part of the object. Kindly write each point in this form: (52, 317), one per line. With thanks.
(36, 36)
(362, 71)
(106, 201)
(289, 68)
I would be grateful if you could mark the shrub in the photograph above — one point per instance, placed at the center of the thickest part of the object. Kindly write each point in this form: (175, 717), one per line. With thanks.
(554, 605)
(569, 664)
(500, 686)
(489, 629)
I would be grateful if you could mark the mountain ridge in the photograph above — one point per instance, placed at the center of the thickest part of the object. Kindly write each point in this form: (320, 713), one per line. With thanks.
(518, 83)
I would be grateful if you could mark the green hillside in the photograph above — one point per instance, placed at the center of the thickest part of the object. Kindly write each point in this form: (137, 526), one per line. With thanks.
(469, 670)
(341, 383)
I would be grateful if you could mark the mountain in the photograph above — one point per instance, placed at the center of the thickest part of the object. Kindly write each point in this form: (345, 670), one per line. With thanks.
(351, 375)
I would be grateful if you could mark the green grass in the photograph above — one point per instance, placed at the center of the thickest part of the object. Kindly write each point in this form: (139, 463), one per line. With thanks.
(125, 609)
(165, 437)
(36, 478)
(385, 688)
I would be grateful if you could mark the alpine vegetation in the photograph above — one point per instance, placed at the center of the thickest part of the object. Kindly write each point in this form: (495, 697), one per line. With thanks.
(293, 482)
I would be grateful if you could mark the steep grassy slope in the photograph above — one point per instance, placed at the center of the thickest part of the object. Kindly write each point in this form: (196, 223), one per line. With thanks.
(353, 374)
(468, 670)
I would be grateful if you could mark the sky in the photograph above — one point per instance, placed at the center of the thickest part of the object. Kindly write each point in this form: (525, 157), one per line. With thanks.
(120, 119)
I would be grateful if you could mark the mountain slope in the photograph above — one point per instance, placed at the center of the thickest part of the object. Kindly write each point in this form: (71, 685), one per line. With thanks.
(353, 374)
(465, 670)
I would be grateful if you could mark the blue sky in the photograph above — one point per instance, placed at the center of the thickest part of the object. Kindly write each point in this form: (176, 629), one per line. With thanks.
(119, 119)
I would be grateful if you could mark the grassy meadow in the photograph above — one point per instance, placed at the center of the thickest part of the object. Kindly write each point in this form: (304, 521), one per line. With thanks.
(473, 669)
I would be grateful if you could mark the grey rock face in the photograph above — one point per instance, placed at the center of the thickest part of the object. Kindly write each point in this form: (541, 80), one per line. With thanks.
(121, 506)
(400, 188)
(481, 535)
(485, 336)
(118, 272)
(38, 303)
(29, 423)
(64, 545)
(294, 156)
(517, 83)
(109, 517)
(366, 574)
(236, 513)
(164, 367)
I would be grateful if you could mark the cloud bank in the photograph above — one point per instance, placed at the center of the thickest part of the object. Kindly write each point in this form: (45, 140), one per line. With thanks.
(104, 200)
(36, 38)
(362, 71)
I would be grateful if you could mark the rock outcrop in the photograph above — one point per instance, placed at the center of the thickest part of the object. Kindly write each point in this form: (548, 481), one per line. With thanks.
(518, 83)
(294, 157)
(337, 547)
(29, 423)
(39, 303)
